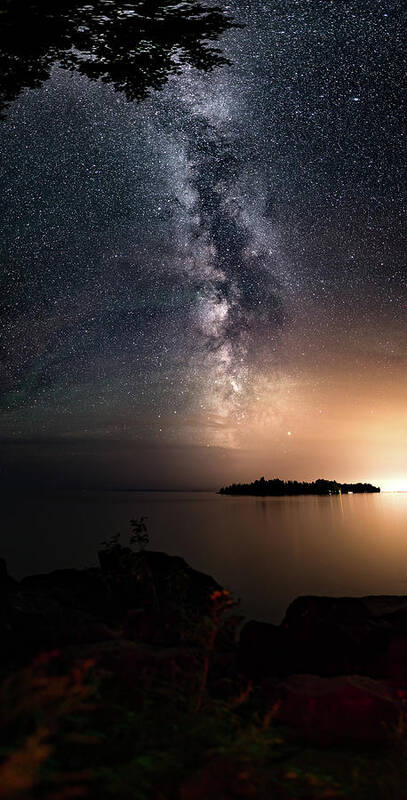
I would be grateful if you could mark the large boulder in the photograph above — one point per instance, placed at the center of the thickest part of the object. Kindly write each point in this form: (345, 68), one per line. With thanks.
(263, 650)
(155, 581)
(345, 635)
(38, 621)
(198, 586)
(330, 636)
(84, 589)
(59, 608)
(148, 596)
(7, 583)
(386, 611)
(328, 710)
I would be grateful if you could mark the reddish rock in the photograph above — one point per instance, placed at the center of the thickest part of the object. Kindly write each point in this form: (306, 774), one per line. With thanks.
(326, 710)
(223, 780)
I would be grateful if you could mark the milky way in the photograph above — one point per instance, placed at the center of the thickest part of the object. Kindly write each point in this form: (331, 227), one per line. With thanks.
(181, 272)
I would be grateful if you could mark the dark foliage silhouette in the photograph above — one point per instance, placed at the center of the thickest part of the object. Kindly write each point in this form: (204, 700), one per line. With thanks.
(278, 487)
(139, 536)
(135, 46)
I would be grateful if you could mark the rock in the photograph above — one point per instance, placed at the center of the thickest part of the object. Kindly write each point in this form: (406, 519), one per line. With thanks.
(309, 611)
(389, 607)
(155, 581)
(263, 650)
(328, 710)
(7, 583)
(152, 596)
(386, 610)
(151, 627)
(83, 589)
(38, 621)
(59, 608)
(132, 662)
(334, 636)
(330, 636)
(176, 582)
(396, 661)
(224, 780)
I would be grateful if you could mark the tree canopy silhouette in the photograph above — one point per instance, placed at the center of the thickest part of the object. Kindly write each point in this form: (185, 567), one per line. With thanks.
(134, 45)
(278, 488)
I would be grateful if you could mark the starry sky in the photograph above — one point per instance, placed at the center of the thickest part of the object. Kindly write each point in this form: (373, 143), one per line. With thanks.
(211, 285)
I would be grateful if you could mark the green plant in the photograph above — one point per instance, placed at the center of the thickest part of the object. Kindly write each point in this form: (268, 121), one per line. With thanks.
(139, 536)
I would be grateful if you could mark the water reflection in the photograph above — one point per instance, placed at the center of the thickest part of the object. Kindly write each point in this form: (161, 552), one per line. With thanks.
(266, 550)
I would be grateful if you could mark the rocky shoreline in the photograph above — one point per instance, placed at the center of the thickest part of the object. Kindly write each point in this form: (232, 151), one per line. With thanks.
(164, 639)
(139, 610)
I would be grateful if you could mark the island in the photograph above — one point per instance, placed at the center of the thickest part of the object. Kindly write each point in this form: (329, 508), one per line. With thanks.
(277, 487)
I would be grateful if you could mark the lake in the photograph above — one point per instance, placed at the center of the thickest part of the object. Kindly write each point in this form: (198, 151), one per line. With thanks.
(265, 550)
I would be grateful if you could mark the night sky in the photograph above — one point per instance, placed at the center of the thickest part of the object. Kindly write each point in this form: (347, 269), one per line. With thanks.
(211, 285)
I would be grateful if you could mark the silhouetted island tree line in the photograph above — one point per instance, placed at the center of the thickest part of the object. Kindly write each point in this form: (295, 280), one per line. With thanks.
(135, 46)
(277, 487)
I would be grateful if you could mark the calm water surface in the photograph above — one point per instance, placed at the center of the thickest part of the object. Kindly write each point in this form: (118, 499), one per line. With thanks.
(267, 551)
